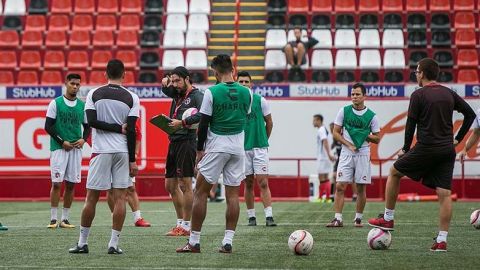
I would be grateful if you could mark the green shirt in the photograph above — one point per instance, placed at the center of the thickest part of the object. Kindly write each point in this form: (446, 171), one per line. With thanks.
(68, 122)
(358, 126)
(255, 131)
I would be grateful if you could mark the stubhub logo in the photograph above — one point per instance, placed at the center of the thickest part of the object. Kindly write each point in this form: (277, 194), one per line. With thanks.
(147, 92)
(383, 91)
(472, 90)
(272, 91)
(33, 92)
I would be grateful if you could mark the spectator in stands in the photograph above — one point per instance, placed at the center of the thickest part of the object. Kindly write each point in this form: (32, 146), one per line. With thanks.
(297, 49)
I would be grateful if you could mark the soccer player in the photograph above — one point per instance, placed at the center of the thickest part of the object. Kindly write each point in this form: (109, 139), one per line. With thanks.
(220, 149)
(65, 117)
(258, 129)
(432, 159)
(132, 196)
(3, 227)
(324, 158)
(113, 111)
(356, 126)
(473, 138)
(181, 150)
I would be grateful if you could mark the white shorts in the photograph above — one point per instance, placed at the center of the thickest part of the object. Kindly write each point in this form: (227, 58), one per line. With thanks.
(108, 171)
(66, 165)
(354, 168)
(256, 161)
(232, 166)
(324, 166)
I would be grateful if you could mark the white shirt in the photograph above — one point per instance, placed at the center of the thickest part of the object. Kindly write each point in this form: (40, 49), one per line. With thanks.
(476, 123)
(374, 127)
(322, 134)
(265, 107)
(52, 108)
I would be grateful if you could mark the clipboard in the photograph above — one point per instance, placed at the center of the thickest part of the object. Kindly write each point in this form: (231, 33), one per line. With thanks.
(161, 121)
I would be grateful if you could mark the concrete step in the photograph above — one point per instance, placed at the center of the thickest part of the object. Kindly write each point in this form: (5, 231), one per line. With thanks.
(224, 9)
(251, 52)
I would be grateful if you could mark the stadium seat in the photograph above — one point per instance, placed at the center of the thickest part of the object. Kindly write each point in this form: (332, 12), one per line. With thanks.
(324, 38)
(345, 38)
(54, 59)
(369, 21)
(30, 59)
(108, 6)
(35, 23)
(106, 22)
(51, 77)
(464, 20)
(291, 35)
(321, 76)
(392, 20)
(299, 6)
(199, 6)
(345, 76)
(297, 20)
(32, 39)
(151, 38)
(85, 6)
(322, 59)
(275, 60)
(56, 39)
(346, 59)
(177, 7)
(370, 59)
(274, 76)
(196, 39)
(82, 22)
(130, 22)
(276, 6)
(152, 22)
(12, 22)
(416, 5)
(345, 21)
(417, 38)
(322, 6)
(467, 76)
(38, 7)
(100, 58)
(80, 39)
(368, 6)
(8, 60)
(370, 76)
(27, 78)
(445, 76)
(129, 77)
(416, 20)
(444, 58)
(59, 23)
(9, 39)
(172, 59)
(150, 59)
(392, 5)
(198, 77)
(128, 57)
(6, 78)
(61, 6)
(468, 5)
(147, 77)
(132, 6)
(127, 38)
(441, 38)
(296, 75)
(369, 38)
(393, 76)
(77, 59)
(196, 60)
(176, 22)
(465, 38)
(321, 21)
(276, 21)
(14, 7)
(173, 39)
(393, 38)
(440, 21)
(467, 58)
(440, 5)
(345, 6)
(198, 22)
(394, 59)
(103, 39)
(153, 6)
(97, 77)
(415, 57)
(275, 39)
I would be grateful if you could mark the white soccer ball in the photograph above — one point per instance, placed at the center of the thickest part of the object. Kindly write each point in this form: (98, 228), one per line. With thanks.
(190, 112)
(300, 242)
(475, 219)
(379, 239)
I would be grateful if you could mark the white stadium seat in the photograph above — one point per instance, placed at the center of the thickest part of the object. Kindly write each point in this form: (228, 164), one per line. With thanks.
(291, 35)
(176, 22)
(393, 38)
(394, 59)
(173, 39)
(369, 38)
(198, 22)
(322, 59)
(370, 59)
(177, 7)
(172, 59)
(196, 39)
(275, 39)
(345, 38)
(275, 60)
(196, 59)
(14, 7)
(346, 59)
(200, 6)
(324, 37)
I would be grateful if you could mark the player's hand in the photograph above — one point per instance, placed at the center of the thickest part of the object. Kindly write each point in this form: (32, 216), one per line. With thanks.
(166, 82)
(455, 142)
(124, 129)
(352, 148)
(175, 123)
(79, 144)
(400, 153)
(199, 157)
(67, 146)
(332, 158)
(462, 155)
(133, 169)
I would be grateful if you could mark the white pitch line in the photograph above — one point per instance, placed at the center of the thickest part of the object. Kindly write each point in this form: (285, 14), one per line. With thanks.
(121, 268)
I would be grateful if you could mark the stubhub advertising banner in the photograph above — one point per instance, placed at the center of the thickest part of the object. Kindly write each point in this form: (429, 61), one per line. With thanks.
(382, 90)
(318, 90)
(272, 90)
(29, 92)
(472, 90)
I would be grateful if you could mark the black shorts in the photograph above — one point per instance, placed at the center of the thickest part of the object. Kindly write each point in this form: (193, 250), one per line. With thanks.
(181, 159)
(431, 165)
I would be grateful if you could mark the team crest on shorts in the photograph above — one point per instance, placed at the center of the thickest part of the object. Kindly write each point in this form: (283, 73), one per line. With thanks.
(57, 175)
(187, 101)
(340, 174)
(364, 178)
(264, 168)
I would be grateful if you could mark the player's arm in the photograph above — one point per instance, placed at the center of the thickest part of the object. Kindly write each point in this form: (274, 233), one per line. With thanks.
(50, 128)
(203, 130)
(194, 119)
(411, 125)
(131, 137)
(338, 136)
(469, 116)
(95, 123)
(167, 87)
(86, 131)
(327, 149)
(267, 116)
(374, 138)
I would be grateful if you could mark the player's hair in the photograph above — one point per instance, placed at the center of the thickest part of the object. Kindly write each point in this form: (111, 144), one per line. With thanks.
(319, 117)
(429, 67)
(222, 64)
(115, 69)
(361, 86)
(181, 72)
(72, 76)
(244, 73)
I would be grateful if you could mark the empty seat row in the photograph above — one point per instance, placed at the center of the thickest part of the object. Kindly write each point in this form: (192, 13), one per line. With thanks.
(56, 77)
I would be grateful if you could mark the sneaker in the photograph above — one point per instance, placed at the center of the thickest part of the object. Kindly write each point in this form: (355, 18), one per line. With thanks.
(3, 228)
(227, 248)
(113, 250)
(66, 224)
(189, 248)
(183, 232)
(335, 223)
(358, 223)
(77, 250)
(270, 222)
(53, 224)
(381, 223)
(438, 247)
(142, 223)
(252, 221)
(174, 232)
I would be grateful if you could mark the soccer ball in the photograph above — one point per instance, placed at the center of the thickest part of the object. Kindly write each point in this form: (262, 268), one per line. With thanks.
(475, 219)
(300, 242)
(190, 112)
(379, 239)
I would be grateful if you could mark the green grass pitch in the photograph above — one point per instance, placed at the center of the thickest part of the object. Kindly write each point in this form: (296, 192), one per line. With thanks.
(28, 244)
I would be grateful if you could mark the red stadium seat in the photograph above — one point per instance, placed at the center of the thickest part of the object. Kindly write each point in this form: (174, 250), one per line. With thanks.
(392, 5)
(416, 5)
(8, 60)
(82, 22)
(6, 78)
(129, 22)
(368, 5)
(77, 59)
(127, 38)
(80, 38)
(467, 58)
(30, 59)
(97, 78)
(61, 6)
(9, 39)
(103, 39)
(440, 5)
(467, 76)
(129, 58)
(321, 6)
(106, 22)
(51, 77)
(36, 23)
(129, 77)
(85, 6)
(27, 78)
(464, 20)
(298, 6)
(465, 38)
(32, 39)
(131, 6)
(107, 6)
(58, 23)
(345, 5)
(101, 58)
(54, 60)
(464, 5)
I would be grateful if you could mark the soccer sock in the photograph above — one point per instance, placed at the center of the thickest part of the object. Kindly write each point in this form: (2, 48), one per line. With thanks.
(84, 232)
(114, 238)
(179, 222)
(339, 216)
(251, 213)
(325, 189)
(136, 215)
(268, 211)
(442, 236)
(194, 238)
(53, 213)
(186, 225)
(358, 215)
(65, 213)
(388, 215)
(228, 239)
